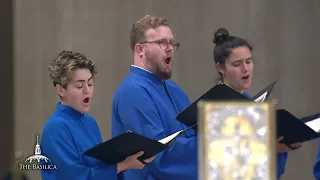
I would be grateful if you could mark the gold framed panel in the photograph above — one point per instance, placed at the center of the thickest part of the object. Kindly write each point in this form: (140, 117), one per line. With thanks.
(237, 140)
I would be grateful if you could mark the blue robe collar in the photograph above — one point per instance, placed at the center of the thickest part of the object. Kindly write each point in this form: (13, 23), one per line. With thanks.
(63, 108)
(244, 93)
(145, 73)
(247, 95)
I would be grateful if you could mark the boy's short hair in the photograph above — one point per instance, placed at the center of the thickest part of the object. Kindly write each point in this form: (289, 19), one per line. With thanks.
(67, 61)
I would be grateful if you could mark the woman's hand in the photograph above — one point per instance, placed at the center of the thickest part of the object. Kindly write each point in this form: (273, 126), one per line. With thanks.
(284, 148)
(132, 162)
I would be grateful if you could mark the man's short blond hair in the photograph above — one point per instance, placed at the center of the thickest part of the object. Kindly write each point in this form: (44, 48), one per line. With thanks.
(137, 33)
(67, 61)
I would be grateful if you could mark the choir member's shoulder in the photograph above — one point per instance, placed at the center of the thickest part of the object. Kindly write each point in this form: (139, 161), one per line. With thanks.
(56, 122)
(131, 89)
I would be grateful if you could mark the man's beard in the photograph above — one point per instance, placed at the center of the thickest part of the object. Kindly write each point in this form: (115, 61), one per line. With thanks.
(165, 74)
(156, 68)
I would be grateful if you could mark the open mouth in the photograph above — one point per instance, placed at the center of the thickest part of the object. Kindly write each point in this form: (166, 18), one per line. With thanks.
(86, 100)
(245, 77)
(167, 60)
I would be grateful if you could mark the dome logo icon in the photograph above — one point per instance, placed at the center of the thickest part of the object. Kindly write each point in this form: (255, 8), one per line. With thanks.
(37, 154)
(39, 161)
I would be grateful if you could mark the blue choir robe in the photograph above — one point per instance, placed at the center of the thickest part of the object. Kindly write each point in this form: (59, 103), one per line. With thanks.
(316, 168)
(281, 157)
(66, 134)
(145, 104)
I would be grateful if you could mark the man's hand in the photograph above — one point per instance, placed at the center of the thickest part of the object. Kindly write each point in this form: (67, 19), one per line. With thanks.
(132, 162)
(284, 148)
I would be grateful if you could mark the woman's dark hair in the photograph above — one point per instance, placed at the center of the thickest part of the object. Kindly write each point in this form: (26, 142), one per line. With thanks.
(224, 43)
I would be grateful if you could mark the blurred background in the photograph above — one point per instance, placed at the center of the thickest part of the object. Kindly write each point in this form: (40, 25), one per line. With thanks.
(285, 35)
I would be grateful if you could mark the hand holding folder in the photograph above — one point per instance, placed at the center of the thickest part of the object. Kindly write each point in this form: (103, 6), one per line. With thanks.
(129, 143)
(133, 162)
(281, 147)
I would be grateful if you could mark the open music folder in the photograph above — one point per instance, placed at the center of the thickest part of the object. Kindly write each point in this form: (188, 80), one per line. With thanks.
(129, 143)
(217, 93)
(264, 94)
(289, 126)
(294, 129)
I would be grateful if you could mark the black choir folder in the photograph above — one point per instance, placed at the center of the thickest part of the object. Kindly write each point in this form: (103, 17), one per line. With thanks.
(217, 93)
(129, 143)
(296, 130)
(264, 94)
(289, 126)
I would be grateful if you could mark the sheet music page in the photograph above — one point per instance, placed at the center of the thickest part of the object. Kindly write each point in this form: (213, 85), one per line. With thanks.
(261, 98)
(169, 138)
(314, 124)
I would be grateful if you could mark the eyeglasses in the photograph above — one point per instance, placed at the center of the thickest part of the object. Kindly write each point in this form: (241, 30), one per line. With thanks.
(163, 44)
